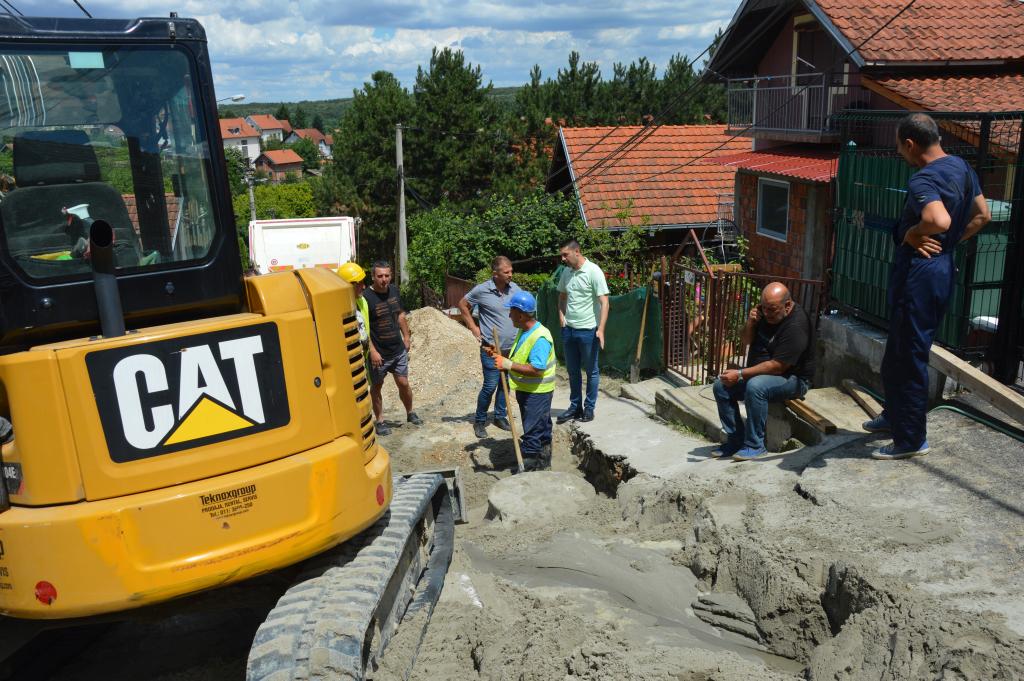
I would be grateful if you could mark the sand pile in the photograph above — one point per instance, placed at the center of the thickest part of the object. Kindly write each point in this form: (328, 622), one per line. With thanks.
(444, 362)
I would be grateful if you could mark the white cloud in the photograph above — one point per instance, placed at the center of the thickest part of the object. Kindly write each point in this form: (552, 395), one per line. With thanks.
(316, 49)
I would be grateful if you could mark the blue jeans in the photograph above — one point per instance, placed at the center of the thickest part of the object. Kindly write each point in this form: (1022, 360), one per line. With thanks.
(581, 348)
(483, 400)
(756, 392)
(535, 409)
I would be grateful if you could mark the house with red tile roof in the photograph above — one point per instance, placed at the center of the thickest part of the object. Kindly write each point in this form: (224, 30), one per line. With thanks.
(322, 141)
(663, 180)
(238, 134)
(793, 68)
(279, 164)
(268, 127)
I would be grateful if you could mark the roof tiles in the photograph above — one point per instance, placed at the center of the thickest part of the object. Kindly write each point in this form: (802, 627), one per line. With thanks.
(236, 128)
(805, 163)
(282, 157)
(667, 179)
(1003, 92)
(931, 30)
(266, 122)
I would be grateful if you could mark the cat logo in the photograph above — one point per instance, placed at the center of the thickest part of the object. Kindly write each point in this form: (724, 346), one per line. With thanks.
(166, 396)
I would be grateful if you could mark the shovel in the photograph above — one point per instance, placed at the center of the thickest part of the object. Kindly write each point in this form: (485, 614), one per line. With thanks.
(508, 403)
(634, 369)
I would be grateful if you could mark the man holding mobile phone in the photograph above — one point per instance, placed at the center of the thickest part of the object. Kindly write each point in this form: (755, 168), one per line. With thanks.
(490, 298)
(780, 367)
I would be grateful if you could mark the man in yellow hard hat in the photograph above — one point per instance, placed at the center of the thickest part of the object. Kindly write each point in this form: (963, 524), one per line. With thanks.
(354, 274)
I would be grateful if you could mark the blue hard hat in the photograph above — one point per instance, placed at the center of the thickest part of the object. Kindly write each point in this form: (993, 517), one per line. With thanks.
(523, 300)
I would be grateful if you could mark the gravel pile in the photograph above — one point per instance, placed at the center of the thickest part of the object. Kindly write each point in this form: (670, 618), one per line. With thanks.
(444, 362)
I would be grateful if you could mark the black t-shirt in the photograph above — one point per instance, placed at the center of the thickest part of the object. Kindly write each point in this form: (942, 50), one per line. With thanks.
(791, 342)
(384, 309)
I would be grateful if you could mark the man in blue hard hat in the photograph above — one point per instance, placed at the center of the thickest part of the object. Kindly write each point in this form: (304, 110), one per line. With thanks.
(531, 373)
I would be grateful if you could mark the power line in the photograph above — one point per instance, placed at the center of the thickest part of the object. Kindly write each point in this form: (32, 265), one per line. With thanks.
(11, 6)
(85, 11)
(644, 133)
(647, 130)
(779, 108)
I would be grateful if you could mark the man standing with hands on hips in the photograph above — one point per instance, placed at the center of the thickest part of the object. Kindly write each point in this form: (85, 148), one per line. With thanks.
(944, 207)
(583, 313)
(389, 344)
(490, 298)
(531, 373)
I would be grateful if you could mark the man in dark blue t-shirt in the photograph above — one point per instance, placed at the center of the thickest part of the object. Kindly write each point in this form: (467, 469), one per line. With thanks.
(944, 207)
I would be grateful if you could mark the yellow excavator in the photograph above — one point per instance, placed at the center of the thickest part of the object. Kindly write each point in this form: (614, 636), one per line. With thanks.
(169, 426)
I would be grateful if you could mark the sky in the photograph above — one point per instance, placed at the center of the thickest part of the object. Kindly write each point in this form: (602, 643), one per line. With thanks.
(289, 50)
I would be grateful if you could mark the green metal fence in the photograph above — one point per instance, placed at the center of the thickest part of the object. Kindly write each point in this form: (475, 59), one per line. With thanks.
(871, 191)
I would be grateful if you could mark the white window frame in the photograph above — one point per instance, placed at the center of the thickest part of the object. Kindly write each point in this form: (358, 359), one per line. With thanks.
(771, 234)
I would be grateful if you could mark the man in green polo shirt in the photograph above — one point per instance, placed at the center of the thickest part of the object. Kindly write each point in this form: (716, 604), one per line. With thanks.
(583, 312)
(531, 373)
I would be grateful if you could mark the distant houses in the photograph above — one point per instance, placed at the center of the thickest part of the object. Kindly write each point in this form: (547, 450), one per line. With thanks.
(254, 133)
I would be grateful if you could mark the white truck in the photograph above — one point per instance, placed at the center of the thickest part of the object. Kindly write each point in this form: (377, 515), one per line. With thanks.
(292, 244)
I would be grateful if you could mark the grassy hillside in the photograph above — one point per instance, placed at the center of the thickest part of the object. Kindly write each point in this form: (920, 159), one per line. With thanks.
(330, 109)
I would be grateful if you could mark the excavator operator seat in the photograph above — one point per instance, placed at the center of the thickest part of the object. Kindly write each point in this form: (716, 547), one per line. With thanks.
(55, 170)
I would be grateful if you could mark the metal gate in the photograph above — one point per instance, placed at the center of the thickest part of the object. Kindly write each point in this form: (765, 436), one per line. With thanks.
(984, 317)
(705, 310)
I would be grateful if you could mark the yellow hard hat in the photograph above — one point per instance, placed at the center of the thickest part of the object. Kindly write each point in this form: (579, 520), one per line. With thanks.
(351, 272)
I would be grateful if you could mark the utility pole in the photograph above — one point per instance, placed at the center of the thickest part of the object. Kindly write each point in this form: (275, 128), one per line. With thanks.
(249, 181)
(403, 255)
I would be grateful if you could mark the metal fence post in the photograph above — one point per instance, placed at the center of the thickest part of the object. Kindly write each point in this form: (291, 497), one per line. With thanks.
(1010, 334)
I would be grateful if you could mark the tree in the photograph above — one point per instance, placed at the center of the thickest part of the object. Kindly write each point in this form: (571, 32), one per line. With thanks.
(676, 97)
(282, 113)
(318, 122)
(309, 151)
(577, 91)
(455, 147)
(299, 122)
(236, 165)
(362, 178)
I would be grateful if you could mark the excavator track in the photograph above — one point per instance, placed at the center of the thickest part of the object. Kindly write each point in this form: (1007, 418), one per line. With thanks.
(338, 617)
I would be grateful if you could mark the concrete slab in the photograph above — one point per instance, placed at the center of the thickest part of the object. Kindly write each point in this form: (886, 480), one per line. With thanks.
(624, 430)
(694, 407)
(644, 391)
(950, 523)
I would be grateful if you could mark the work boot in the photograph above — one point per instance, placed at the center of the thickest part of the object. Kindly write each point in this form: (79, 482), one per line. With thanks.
(587, 416)
(480, 429)
(545, 457)
(567, 415)
(531, 463)
(502, 423)
(382, 428)
(414, 419)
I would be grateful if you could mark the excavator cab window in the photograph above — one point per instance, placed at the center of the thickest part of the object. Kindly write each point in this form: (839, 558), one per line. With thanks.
(107, 134)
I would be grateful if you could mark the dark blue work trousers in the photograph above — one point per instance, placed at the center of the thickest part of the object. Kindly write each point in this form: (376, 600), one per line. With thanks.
(535, 409)
(919, 292)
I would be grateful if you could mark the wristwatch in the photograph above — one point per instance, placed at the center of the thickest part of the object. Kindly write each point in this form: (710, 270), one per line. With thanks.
(740, 371)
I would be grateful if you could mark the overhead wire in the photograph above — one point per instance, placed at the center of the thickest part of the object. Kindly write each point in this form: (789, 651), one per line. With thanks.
(700, 82)
(777, 109)
(12, 8)
(84, 10)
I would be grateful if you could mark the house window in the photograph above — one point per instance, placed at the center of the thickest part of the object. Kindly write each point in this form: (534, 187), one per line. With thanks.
(773, 208)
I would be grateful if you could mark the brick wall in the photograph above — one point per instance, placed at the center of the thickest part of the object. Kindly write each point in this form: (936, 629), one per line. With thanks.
(768, 255)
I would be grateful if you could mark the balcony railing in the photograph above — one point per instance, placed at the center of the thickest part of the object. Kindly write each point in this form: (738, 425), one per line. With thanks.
(797, 106)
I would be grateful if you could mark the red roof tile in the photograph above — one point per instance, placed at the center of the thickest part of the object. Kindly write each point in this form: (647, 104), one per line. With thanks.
(805, 163)
(931, 30)
(281, 157)
(953, 93)
(173, 209)
(686, 193)
(236, 128)
(310, 134)
(266, 122)
(285, 125)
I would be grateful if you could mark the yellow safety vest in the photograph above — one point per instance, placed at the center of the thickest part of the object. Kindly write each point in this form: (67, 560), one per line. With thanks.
(363, 308)
(521, 355)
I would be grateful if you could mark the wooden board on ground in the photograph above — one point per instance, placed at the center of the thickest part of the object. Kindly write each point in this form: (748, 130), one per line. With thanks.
(804, 411)
(983, 386)
(866, 401)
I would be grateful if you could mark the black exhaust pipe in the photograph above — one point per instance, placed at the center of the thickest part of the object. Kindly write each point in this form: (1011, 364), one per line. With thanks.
(108, 300)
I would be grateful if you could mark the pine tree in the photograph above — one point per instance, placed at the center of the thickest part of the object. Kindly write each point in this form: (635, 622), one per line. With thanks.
(299, 122)
(318, 122)
(282, 113)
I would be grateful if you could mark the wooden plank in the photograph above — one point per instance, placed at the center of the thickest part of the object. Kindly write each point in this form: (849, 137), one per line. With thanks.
(804, 411)
(866, 401)
(983, 386)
